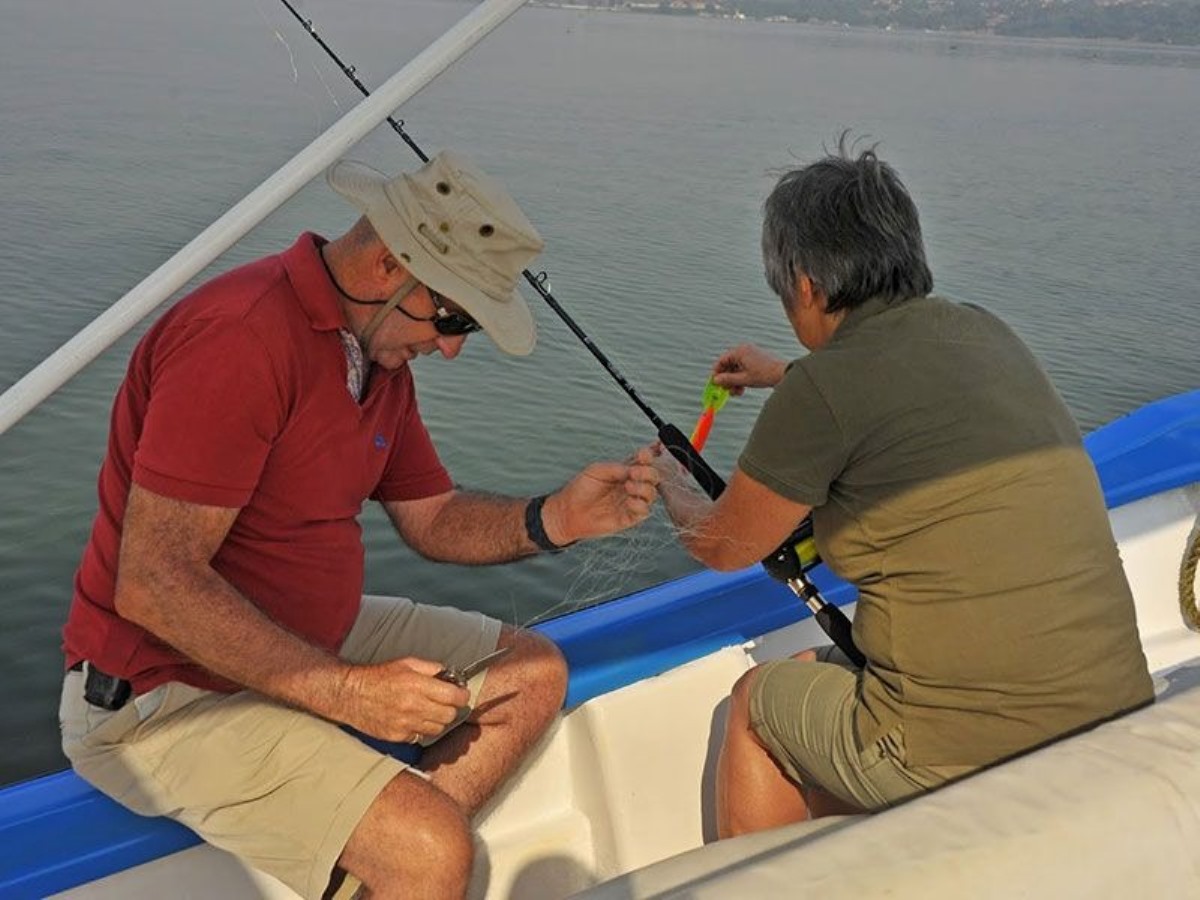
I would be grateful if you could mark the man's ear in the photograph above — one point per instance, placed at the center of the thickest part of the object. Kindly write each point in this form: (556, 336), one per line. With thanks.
(388, 268)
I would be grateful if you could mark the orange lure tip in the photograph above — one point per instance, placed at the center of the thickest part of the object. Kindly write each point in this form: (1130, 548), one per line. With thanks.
(703, 427)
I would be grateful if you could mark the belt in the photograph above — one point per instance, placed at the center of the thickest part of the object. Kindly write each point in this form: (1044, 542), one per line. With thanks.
(105, 691)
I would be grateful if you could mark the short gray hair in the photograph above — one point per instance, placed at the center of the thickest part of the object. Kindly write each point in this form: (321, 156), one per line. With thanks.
(850, 225)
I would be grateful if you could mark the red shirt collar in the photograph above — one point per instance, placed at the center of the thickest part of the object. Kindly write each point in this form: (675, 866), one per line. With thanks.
(311, 282)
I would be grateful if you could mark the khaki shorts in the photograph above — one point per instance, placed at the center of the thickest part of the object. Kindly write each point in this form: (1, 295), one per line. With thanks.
(803, 712)
(279, 788)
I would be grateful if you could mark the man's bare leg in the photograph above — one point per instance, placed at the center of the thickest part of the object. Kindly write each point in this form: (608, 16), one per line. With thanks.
(521, 696)
(414, 842)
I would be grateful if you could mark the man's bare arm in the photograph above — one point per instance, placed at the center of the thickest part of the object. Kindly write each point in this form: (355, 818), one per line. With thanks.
(476, 529)
(467, 527)
(166, 584)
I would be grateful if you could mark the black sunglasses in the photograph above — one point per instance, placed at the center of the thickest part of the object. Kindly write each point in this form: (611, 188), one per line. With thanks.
(445, 321)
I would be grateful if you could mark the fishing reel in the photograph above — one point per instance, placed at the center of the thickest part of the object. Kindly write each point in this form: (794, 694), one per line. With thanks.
(790, 563)
(795, 556)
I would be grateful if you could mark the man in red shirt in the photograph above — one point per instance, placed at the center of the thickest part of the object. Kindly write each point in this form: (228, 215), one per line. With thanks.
(218, 636)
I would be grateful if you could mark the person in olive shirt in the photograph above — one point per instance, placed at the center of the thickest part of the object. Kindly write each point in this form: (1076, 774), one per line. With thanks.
(947, 481)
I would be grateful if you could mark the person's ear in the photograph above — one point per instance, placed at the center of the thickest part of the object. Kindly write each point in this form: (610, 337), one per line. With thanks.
(809, 296)
(805, 292)
(390, 269)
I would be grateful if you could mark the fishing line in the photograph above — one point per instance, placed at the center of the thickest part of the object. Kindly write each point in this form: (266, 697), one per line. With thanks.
(790, 561)
(602, 569)
(292, 57)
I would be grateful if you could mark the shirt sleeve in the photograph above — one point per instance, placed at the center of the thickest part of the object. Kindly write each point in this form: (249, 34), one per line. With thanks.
(796, 447)
(215, 408)
(414, 470)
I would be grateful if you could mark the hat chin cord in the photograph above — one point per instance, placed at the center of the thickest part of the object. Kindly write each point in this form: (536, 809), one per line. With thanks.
(407, 287)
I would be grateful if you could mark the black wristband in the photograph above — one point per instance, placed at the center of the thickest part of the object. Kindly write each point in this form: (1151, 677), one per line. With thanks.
(535, 530)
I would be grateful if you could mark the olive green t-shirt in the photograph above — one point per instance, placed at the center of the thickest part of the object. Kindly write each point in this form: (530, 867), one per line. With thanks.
(950, 486)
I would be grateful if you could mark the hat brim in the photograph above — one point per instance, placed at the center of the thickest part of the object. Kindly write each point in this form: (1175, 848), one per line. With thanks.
(508, 322)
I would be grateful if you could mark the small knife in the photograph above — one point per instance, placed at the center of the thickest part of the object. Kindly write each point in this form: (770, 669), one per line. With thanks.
(461, 676)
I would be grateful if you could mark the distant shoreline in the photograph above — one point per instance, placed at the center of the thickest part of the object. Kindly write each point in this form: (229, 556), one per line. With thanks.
(864, 9)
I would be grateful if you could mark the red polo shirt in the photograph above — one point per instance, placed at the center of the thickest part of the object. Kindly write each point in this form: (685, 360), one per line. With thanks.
(237, 397)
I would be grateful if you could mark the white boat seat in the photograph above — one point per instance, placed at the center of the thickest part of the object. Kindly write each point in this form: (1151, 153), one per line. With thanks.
(660, 879)
(1110, 813)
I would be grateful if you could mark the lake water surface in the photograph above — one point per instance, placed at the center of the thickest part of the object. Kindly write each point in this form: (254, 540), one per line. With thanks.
(1057, 182)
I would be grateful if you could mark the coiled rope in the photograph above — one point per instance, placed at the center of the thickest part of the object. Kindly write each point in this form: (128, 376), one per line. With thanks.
(1187, 581)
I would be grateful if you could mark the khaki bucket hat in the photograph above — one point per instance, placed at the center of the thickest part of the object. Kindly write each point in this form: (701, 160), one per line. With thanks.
(456, 230)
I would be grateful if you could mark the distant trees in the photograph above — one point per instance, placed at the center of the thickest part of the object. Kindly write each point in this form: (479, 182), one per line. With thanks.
(1157, 21)
(1152, 21)
(1174, 22)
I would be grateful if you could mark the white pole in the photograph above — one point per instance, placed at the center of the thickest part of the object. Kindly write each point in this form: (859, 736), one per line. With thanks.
(55, 370)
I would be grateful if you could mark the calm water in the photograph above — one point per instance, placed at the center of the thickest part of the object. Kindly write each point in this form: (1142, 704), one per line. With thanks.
(1058, 184)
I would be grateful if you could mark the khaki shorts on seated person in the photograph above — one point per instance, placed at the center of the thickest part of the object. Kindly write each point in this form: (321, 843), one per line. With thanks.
(281, 789)
(803, 712)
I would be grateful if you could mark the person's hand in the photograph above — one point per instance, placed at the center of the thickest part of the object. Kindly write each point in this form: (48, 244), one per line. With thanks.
(668, 467)
(400, 700)
(604, 498)
(747, 365)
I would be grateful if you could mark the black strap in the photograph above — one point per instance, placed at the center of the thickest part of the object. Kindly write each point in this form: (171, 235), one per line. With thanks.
(105, 691)
(535, 529)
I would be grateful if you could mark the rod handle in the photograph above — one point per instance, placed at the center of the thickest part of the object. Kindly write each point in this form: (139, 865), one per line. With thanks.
(689, 457)
(835, 624)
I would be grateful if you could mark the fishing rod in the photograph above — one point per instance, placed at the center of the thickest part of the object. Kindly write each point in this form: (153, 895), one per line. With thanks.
(791, 560)
(671, 437)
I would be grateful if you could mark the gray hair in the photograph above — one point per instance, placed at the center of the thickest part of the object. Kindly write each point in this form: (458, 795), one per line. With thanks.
(850, 225)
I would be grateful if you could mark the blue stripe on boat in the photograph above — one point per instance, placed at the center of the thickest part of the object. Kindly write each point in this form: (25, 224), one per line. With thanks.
(1155, 448)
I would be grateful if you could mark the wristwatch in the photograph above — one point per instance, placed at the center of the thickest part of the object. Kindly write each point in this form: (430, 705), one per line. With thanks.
(535, 530)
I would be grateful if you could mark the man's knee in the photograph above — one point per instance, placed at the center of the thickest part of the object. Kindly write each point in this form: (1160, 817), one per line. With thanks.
(539, 667)
(413, 838)
(440, 843)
